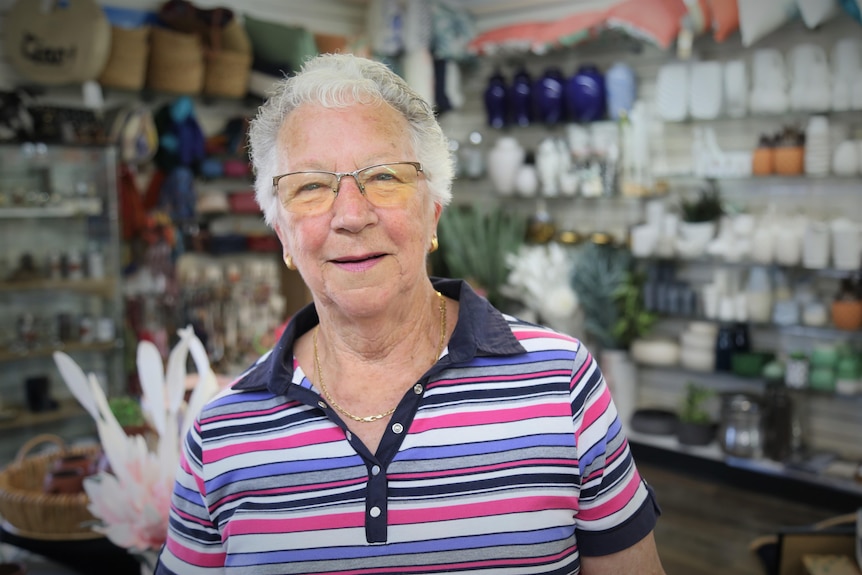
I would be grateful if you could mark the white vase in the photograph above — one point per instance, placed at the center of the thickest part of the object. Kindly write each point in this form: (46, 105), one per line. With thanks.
(527, 181)
(504, 161)
(620, 373)
(548, 164)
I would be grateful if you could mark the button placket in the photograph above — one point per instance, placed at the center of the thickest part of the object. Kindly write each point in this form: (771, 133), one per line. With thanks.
(375, 505)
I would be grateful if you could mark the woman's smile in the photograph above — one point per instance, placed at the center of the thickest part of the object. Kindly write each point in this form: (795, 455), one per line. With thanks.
(358, 263)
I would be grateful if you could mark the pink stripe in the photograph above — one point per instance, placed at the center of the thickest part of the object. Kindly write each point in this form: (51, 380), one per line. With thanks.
(595, 410)
(249, 414)
(579, 375)
(317, 437)
(194, 558)
(485, 509)
(489, 417)
(611, 506)
(534, 334)
(297, 525)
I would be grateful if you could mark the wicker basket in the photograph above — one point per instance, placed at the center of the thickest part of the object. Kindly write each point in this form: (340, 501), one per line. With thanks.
(176, 62)
(127, 62)
(29, 512)
(227, 74)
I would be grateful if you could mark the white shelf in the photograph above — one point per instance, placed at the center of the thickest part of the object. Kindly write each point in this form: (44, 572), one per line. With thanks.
(68, 209)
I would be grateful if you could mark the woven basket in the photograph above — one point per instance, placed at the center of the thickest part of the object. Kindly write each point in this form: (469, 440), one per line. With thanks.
(29, 512)
(126, 68)
(176, 62)
(227, 74)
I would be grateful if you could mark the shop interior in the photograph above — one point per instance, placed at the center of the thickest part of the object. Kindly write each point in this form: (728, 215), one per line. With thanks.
(677, 183)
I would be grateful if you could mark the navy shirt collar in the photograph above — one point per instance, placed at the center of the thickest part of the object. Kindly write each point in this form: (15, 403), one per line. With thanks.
(481, 331)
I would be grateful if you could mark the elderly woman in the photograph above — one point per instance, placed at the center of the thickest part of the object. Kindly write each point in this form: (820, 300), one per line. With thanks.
(401, 424)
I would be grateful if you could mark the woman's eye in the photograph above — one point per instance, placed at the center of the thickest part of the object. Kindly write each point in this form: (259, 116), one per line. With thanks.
(310, 187)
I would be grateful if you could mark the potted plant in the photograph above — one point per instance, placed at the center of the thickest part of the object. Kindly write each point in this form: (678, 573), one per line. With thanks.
(696, 426)
(610, 293)
(699, 220)
(474, 244)
(129, 414)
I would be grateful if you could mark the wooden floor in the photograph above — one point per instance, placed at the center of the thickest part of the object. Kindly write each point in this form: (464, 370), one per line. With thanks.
(706, 527)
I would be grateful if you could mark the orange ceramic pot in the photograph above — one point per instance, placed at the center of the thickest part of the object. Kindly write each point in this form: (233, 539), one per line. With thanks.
(763, 161)
(789, 160)
(847, 314)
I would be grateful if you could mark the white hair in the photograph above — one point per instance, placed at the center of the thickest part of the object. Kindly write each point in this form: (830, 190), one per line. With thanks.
(337, 81)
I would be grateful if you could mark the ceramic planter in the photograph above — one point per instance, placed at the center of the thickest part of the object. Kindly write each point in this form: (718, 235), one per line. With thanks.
(695, 433)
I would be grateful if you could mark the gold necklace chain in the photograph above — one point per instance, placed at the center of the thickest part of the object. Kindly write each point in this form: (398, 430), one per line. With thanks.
(370, 418)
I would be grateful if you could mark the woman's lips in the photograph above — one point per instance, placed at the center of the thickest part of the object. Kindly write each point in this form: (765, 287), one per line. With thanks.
(359, 263)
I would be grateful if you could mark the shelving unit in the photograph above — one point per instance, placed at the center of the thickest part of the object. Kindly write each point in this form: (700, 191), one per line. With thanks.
(60, 278)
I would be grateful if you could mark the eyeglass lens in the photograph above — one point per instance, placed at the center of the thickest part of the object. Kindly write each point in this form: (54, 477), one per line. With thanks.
(385, 185)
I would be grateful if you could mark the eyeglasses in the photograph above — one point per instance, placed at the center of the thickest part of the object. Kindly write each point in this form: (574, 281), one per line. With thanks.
(314, 192)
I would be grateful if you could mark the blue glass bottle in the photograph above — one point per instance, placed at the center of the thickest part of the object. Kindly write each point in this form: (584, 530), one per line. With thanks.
(585, 95)
(520, 99)
(548, 97)
(495, 100)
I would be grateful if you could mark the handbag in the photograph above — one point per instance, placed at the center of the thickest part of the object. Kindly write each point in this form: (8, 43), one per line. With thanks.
(64, 43)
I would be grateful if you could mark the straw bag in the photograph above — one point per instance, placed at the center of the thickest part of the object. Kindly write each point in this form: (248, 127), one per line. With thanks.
(126, 68)
(227, 74)
(28, 511)
(228, 62)
(176, 62)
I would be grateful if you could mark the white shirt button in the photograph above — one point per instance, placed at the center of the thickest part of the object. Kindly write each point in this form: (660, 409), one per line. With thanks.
(397, 428)
(417, 389)
(375, 470)
(349, 436)
(321, 405)
(374, 512)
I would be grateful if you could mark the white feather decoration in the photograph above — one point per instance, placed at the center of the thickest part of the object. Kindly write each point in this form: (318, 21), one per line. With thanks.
(132, 501)
(152, 379)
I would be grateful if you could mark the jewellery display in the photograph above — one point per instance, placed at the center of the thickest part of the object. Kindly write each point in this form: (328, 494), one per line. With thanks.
(370, 418)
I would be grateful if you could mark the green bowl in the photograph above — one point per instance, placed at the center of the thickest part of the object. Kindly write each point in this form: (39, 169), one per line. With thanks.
(749, 363)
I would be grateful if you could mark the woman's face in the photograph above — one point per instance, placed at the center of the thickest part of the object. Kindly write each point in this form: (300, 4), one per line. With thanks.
(355, 256)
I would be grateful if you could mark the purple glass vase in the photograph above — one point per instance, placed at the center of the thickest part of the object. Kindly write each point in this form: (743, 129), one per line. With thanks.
(548, 97)
(495, 100)
(520, 99)
(585, 95)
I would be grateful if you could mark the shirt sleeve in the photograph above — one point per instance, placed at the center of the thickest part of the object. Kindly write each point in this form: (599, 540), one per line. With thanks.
(194, 544)
(616, 506)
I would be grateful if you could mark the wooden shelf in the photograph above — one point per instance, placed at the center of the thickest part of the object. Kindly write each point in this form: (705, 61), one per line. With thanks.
(67, 409)
(69, 347)
(103, 287)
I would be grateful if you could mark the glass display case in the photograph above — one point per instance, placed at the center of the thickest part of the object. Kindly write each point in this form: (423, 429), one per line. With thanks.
(60, 285)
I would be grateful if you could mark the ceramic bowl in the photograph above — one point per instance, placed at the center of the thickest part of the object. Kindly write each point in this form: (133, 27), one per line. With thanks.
(697, 359)
(698, 340)
(657, 352)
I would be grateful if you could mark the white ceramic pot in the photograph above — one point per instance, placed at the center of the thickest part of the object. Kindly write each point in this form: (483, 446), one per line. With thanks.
(504, 160)
(846, 244)
(620, 373)
(527, 181)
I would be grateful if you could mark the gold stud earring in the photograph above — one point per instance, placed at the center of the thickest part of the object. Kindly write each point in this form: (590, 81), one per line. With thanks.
(434, 245)
(288, 261)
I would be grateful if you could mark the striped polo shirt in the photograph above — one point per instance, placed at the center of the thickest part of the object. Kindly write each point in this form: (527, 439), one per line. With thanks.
(506, 457)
